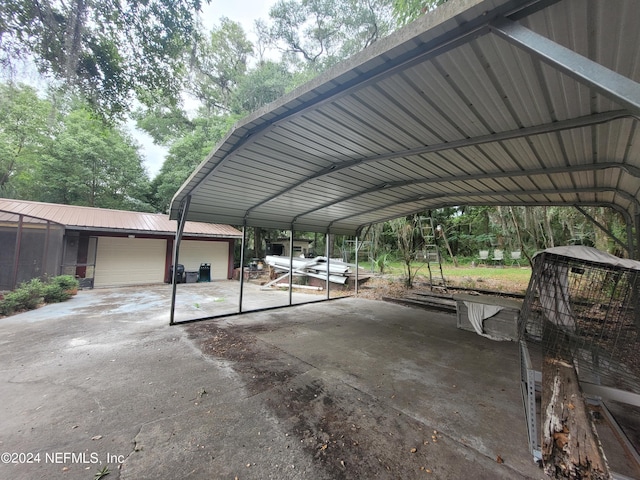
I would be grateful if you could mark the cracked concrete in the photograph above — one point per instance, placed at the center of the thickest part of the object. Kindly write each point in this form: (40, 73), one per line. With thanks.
(341, 389)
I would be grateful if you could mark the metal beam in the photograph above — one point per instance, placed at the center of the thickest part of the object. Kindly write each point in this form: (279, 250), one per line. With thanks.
(612, 85)
(291, 265)
(504, 193)
(634, 171)
(545, 203)
(242, 249)
(182, 220)
(608, 232)
(637, 225)
(357, 266)
(328, 253)
(563, 125)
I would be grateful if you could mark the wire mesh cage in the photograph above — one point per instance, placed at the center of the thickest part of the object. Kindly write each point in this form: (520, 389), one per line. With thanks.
(583, 306)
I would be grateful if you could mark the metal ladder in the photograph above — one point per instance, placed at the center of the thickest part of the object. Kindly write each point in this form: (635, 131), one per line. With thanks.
(431, 252)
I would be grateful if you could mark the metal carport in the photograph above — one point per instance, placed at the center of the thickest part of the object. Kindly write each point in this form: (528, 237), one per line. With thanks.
(480, 102)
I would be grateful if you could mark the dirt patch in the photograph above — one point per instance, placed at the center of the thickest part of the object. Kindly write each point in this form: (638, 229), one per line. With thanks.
(352, 435)
(347, 432)
(261, 365)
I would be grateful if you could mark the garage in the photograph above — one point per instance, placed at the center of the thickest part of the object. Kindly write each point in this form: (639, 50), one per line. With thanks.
(195, 252)
(106, 248)
(129, 261)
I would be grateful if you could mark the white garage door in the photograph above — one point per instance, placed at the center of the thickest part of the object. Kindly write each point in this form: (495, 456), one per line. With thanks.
(195, 252)
(129, 261)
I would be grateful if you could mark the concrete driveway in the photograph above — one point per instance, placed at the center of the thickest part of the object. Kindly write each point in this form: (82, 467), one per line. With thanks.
(350, 388)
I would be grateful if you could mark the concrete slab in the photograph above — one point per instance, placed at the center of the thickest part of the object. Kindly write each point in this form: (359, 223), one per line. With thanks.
(342, 389)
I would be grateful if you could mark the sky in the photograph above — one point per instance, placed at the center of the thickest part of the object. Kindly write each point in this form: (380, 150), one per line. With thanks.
(243, 11)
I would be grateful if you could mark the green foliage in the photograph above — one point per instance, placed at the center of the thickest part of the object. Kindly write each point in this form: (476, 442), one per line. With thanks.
(165, 123)
(406, 11)
(93, 164)
(105, 49)
(27, 296)
(322, 32)
(220, 64)
(26, 126)
(408, 239)
(54, 293)
(67, 282)
(32, 294)
(185, 154)
(66, 154)
(382, 261)
(262, 85)
(60, 288)
(103, 472)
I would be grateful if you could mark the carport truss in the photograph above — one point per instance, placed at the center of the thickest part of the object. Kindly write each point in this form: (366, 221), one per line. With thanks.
(480, 102)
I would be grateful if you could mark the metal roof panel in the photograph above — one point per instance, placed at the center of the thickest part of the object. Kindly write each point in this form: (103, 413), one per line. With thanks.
(450, 110)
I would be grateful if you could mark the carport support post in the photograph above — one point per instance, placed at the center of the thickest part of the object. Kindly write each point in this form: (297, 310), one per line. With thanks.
(291, 266)
(242, 246)
(636, 251)
(357, 265)
(182, 219)
(328, 250)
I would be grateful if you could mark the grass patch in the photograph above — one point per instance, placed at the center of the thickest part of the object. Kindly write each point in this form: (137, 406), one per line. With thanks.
(503, 279)
(507, 279)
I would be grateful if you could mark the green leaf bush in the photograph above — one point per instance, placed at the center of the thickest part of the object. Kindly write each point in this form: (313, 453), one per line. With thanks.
(35, 292)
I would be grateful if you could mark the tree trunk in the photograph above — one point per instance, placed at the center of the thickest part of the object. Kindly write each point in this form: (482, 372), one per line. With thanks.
(547, 224)
(516, 225)
(257, 242)
(446, 244)
(570, 445)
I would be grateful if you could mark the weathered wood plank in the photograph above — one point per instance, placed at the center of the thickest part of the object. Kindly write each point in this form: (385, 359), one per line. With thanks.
(570, 445)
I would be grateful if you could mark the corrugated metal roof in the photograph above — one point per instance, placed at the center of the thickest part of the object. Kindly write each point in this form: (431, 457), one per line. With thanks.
(481, 102)
(102, 219)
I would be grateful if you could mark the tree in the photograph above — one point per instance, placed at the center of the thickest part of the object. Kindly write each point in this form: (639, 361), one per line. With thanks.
(260, 86)
(220, 64)
(93, 164)
(164, 122)
(185, 154)
(406, 232)
(406, 11)
(323, 32)
(105, 49)
(27, 124)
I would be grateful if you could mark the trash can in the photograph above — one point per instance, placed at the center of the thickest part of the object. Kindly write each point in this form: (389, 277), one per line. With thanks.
(179, 274)
(191, 277)
(205, 272)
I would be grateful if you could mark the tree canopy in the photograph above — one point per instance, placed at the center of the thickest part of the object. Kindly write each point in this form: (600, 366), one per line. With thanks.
(106, 50)
(323, 32)
(66, 154)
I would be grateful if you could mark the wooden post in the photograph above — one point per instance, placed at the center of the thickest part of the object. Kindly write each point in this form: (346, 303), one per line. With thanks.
(570, 445)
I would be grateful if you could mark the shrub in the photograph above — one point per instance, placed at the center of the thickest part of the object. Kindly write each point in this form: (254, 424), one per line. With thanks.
(54, 293)
(66, 282)
(31, 294)
(7, 305)
(27, 296)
